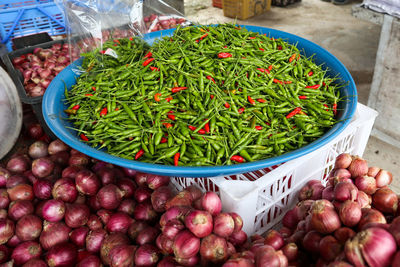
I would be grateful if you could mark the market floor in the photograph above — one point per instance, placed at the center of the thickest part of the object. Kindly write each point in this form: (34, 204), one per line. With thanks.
(353, 41)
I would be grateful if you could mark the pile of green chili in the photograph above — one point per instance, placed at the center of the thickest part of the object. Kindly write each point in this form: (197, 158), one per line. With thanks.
(201, 97)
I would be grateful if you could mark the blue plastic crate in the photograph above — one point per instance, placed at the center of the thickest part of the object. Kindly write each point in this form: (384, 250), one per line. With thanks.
(23, 17)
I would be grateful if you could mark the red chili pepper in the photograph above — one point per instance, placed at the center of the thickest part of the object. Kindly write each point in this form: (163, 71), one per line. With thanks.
(157, 97)
(171, 117)
(293, 57)
(241, 110)
(258, 127)
(88, 94)
(76, 107)
(211, 96)
(327, 108)
(178, 89)
(176, 158)
(237, 158)
(262, 49)
(171, 111)
(225, 47)
(313, 86)
(260, 69)
(163, 140)
(323, 84)
(302, 97)
(227, 105)
(279, 47)
(169, 98)
(207, 127)
(261, 100)
(139, 154)
(278, 81)
(147, 61)
(310, 73)
(334, 108)
(251, 100)
(224, 55)
(167, 125)
(102, 51)
(116, 109)
(93, 88)
(130, 38)
(294, 112)
(103, 112)
(202, 131)
(84, 137)
(154, 68)
(210, 78)
(203, 36)
(116, 41)
(148, 55)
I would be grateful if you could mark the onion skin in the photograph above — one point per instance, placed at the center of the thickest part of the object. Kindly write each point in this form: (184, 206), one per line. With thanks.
(109, 196)
(25, 252)
(238, 238)
(183, 198)
(291, 251)
(87, 182)
(42, 188)
(312, 190)
(385, 200)
(76, 215)
(383, 178)
(13, 241)
(42, 167)
(160, 197)
(290, 219)
(211, 202)
(155, 181)
(343, 161)
(394, 229)
(364, 200)
(167, 262)
(3, 214)
(119, 222)
(366, 184)
(267, 256)
(172, 228)
(144, 211)
(127, 186)
(343, 234)
(109, 243)
(94, 240)
(328, 193)
(329, 248)
(122, 256)
(194, 191)
(177, 212)
(192, 261)
(53, 234)
(17, 179)
(38, 150)
(141, 179)
(18, 164)
(107, 175)
(213, 249)
(147, 236)
(142, 194)
(135, 228)
(94, 222)
(165, 244)
(65, 190)
(324, 218)
(238, 262)
(28, 227)
(62, 255)
(4, 175)
(396, 260)
(311, 241)
(57, 146)
(71, 172)
(350, 213)
(146, 255)
(345, 191)
(90, 261)
(4, 253)
(129, 172)
(186, 245)
(53, 210)
(18, 209)
(20, 192)
(78, 236)
(200, 223)
(274, 239)
(358, 167)
(35, 263)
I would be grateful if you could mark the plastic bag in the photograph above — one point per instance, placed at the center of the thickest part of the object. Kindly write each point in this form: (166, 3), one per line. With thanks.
(391, 7)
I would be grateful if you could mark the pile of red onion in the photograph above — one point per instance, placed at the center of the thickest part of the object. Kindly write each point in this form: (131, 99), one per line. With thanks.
(155, 22)
(41, 66)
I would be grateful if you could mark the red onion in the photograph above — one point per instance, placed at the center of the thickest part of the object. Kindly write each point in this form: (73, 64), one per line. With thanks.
(78, 236)
(165, 244)
(6, 230)
(78, 159)
(81, 199)
(183, 198)
(142, 194)
(371, 216)
(122, 256)
(167, 262)
(324, 218)
(53, 234)
(394, 229)
(200, 223)
(385, 200)
(213, 248)
(144, 211)
(329, 248)
(87, 182)
(89, 261)
(135, 228)
(129, 172)
(42, 167)
(94, 222)
(312, 190)
(42, 188)
(146, 255)
(192, 261)
(147, 236)
(16, 180)
(4, 175)
(25, 252)
(35, 130)
(333, 181)
(328, 193)
(28, 227)
(343, 161)
(65, 190)
(31, 178)
(109, 196)
(20, 192)
(60, 158)
(155, 181)
(107, 175)
(366, 184)
(267, 256)
(342, 173)
(211, 203)
(364, 200)
(177, 212)
(57, 146)
(76, 215)
(71, 172)
(195, 191)
(373, 171)
(238, 238)
(239, 262)
(285, 232)
(127, 186)
(290, 219)
(345, 191)
(13, 241)
(373, 246)
(237, 220)
(111, 241)
(291, 251)
(186, 245)
(383, 178)
(160, 197)
(119, 222)
(224, 225)
(311, 241)
(20, 208)
(141, 179)
(64, 254)
(94, 240)
(172, 228)
(93, 203)
(53, 210)
(127, 206)
(274, 239)
(35, 263)
(3, 214)
(4, 199)
(343, 234)
(358, 167)
(38, 150)
(104, 215)
(18, 164)
(350, 213)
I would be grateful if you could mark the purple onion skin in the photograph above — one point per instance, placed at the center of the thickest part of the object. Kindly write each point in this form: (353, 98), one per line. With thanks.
(90, 261)
(146, 255)
(42, 188)
(119, 222)
(53, 234)
(76, 215)
(4, 253)
(25, 252)
(4, 175)
(18, 164)
(35, 263)
(53, 210)
(42, 167)
(109, 196)
(64, 254)
(19, 208)
(95, 239)
(65, 190)
(28, 227)
(87, 182)
(78, 236)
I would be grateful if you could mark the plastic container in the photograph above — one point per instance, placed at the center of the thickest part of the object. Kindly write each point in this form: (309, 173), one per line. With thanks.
(24, 17)
(30, 40)
(262, 197)
(244, 9)
(54, 106)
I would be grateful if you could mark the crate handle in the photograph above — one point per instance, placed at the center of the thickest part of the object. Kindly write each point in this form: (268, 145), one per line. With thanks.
(20, 13)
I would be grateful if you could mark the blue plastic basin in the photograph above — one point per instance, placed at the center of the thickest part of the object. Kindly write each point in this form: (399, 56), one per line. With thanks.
(53, 106)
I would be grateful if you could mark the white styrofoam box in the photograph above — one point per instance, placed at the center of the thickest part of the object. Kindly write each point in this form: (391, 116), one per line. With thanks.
(262, 197)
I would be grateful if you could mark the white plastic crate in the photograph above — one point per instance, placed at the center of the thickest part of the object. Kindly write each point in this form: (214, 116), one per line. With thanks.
(262, 197)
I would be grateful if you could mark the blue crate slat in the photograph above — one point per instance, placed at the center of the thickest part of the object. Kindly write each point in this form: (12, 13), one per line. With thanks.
(17, 21)
(5, 4)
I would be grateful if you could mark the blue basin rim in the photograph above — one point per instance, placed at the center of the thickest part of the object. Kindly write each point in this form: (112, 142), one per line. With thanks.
(53, 106)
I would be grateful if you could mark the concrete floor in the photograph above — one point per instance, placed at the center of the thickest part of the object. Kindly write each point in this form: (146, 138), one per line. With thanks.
(353, 41)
